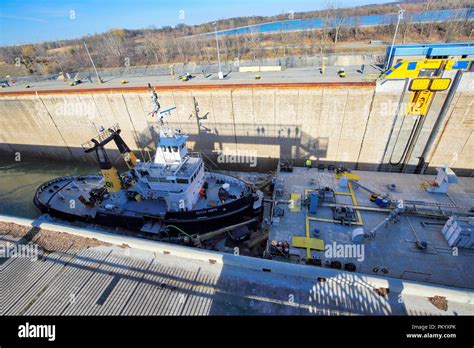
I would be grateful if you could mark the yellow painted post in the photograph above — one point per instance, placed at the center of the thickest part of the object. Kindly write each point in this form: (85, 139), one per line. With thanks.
(308, 250)
(323, 65)
(354, 201)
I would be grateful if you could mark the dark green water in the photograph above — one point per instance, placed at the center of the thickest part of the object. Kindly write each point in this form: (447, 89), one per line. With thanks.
(19, 181)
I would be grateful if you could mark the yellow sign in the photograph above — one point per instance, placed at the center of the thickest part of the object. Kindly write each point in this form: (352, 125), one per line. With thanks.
(440, 84)
(433, 84)
(419, 103)
(419, 84)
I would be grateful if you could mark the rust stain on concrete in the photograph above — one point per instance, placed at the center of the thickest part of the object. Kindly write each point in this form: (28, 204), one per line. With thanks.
(135, 89)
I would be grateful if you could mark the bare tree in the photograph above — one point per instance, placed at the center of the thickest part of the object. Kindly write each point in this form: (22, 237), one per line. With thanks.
(283, 38)
(429, 26)
(336, 19)
(254, 42)
(455, 23)
(355, 27)
(151, 44)
(27, 57)
(405, 26)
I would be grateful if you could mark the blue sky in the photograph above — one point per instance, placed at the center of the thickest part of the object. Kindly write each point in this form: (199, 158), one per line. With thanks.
(31, 21)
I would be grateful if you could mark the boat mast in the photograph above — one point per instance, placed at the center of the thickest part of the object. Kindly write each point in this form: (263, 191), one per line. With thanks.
(110, 174)
(127, 155)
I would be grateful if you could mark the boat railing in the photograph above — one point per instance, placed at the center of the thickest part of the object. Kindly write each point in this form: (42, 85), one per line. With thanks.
(101, 137)
(228, 179)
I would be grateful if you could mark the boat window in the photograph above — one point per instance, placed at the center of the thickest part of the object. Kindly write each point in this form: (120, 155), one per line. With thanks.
(163, 148)
(182, 181)
(169, 148)
(175, 149)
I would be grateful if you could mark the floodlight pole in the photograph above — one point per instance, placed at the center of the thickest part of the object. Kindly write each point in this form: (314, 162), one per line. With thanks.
(96, 73)
(221, 76)
(400, 16)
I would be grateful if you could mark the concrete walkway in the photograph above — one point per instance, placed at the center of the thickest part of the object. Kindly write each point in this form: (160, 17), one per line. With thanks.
(289, 76)
(113, 280)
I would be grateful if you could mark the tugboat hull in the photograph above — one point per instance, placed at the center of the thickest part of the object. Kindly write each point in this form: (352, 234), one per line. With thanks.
(191, 222)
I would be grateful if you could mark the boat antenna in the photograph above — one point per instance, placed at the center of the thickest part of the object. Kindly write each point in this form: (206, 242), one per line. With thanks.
(155, 104)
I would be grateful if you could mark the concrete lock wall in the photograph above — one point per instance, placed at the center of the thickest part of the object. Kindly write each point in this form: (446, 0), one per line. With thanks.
(342, 124)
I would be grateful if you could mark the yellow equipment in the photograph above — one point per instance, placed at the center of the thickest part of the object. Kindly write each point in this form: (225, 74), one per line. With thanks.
(310, 243)
(433, 84)
(423, 89)
(112, 180)
(411, 69)
(419, 84)
(129, 158)
(350, 176)
(440, 84)
(341, 73)
(186, 77)
(419, 103)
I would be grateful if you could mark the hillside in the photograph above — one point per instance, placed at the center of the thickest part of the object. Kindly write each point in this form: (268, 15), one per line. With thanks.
(167, 45)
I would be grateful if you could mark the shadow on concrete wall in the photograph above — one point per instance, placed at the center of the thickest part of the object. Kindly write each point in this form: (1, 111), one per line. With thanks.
(76, 155)
(287, 142)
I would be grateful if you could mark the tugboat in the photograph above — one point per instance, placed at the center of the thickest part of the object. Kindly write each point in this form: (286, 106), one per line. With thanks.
(174, 193)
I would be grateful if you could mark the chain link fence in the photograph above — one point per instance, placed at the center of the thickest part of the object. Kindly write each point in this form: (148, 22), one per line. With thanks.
(290, 62)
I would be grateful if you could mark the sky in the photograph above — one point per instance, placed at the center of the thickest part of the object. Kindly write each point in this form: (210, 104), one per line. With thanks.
(33, 21)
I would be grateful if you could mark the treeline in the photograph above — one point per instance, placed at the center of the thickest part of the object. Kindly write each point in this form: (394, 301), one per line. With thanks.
(167, 45)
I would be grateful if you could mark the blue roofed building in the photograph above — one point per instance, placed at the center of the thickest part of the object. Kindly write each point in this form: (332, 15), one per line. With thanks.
(452, 50)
